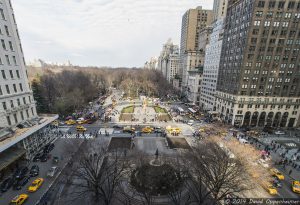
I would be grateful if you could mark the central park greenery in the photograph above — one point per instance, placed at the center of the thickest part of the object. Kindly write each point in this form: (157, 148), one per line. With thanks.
(66, 90)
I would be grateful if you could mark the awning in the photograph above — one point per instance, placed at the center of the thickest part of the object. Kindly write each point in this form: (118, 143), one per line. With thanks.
(192, 110)
(9, 156)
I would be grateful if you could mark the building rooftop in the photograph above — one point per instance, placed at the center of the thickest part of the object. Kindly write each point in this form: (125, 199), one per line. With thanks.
(10, 137)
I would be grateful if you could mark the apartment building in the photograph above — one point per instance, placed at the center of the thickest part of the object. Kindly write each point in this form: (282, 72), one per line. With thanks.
(258, 79)
(211, 67)
(219, 9)
(22, 131)
(193, 21)
(169, 61)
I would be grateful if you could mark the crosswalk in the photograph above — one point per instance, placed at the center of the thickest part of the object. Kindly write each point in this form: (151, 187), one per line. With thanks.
(80, 136)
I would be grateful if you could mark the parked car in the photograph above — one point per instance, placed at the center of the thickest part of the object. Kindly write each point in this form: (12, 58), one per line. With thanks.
(21, 172)
(52, 171)
(117, 127)
(48, 148)
(296, 186)
(55, 159)
(37, 157)
(279, 132)
(22, 182)
(19, 199)
(6, 184)
(34, 171)
(44, 157)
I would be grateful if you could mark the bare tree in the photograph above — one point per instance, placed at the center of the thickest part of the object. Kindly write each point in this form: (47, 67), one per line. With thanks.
(98, 173)
(215, 174)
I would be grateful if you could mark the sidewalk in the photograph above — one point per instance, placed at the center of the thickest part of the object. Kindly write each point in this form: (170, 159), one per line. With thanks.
(276, 157)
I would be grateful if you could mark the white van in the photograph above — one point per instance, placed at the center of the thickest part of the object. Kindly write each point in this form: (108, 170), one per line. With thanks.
(243, 141)
(190, 122)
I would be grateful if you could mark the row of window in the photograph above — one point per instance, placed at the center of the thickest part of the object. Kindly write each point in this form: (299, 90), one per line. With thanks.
(279, 4)
(271, 106)
(5, 47)
(8, 60)
(7, 88)
(11, 74)
(12, 104)
(15, 117)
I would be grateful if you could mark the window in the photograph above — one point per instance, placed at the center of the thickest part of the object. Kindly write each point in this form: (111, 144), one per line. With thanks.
(16, 119)
(8, 120)
(24, 100)
(11, 46)
(32, 112)
(256, 23)
(14, 59)
(15, 87)
(7, 60)
(250, 106)
(1, 93)
(12, 104)
(22, 115)
(287, 15)
(2, 14)
(261, 4)
(3, 74)
(27, 113)
(19, 102)
(272, 4)
(281, 4)
(11, 74)
(3, 44)
(241, 106)
(18, 73)
(6, 30)
(267, 23)
(21, 88)
(291, 5)
(4, 106)
(276, 23)
(285, 24)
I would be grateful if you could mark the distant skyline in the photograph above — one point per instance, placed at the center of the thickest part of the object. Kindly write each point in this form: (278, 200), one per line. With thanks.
(100, 32)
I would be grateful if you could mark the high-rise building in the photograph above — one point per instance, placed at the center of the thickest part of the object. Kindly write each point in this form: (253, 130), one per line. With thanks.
(211, 67)
(151, 64)
(192, 22)
(258, 80)
(169, 61)
(195, 23)
(22, 132)
(220, 9)
(16, 98)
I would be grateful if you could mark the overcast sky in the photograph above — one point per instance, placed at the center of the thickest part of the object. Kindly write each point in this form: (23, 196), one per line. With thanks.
(99, 32)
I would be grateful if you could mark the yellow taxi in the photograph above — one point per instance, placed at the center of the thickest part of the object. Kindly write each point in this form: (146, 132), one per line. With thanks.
(35, 185)
(55, 123)
(270, 188)
(296, 186)
(19, 199)
(277, 173)
(70, 122)
(82, 122)
(80, 128)
(147, 130)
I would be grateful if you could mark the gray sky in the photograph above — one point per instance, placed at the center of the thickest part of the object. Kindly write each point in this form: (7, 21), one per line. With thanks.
(99, 32)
